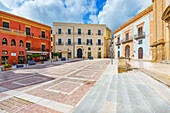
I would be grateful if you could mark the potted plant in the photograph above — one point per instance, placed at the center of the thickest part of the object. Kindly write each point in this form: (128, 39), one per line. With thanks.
(7, 67)
(14, 62)
(56, 54)
(35, 56)
(42, 61)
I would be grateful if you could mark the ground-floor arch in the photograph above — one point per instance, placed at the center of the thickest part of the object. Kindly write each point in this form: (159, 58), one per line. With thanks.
(79, 53)
(127, 51)
(140, 53)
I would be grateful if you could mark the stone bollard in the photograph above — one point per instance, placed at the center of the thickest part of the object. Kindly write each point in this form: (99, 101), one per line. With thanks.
(122, 64)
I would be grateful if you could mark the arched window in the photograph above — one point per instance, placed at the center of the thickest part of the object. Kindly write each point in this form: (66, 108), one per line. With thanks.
(13, 43)
(21, 43)
(4, 41)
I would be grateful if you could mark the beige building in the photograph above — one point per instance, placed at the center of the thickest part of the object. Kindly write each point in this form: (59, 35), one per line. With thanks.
(74, 40)
(161, 35)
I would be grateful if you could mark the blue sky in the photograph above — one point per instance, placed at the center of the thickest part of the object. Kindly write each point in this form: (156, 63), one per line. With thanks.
(113, 13)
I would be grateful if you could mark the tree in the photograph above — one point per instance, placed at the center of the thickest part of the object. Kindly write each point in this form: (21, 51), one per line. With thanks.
(35, 56)
(56, 54)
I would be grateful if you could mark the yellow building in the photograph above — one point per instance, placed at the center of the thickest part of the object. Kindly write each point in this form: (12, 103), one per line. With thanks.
(107, 43)
(161, 39)
(73, 40)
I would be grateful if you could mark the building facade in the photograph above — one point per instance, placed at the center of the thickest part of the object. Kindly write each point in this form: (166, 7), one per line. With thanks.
(108, 43)
(133, 39)
(73, 40)
(161, 40)
(18, 35)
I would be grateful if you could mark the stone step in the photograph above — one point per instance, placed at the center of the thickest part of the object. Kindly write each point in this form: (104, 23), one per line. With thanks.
(156, 103)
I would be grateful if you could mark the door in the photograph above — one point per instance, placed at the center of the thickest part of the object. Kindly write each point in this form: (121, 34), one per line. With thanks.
(118, 54)
(127, 51)
(79, 53)
(20, 59)
(140, 53)
(69, 54)
(89, 54)
(99, 54)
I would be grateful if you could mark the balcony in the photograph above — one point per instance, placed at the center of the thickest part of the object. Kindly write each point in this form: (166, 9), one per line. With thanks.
(117, 43)
(62, 43)
(11, 30)
(60, 33)
(89, 43)
(30, 35)
(139, 36)
(68, 43)
(82, 43)
(127, 40)
(38, 49)
(99, 34)
(99, 44)
(46, 38)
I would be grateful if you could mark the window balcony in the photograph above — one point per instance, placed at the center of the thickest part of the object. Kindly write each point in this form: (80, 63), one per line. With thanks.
(68, 43)
(117, 43)
(127, 40)
(38, 49)
(46, 38)
(139, 36)
(60, 33)
(61, 43)
(89, 43)
(99, 34)
(30, 35)
(99, 44)
(11, 30)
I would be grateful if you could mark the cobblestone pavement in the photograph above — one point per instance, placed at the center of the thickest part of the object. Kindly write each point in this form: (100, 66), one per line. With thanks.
(51, 88)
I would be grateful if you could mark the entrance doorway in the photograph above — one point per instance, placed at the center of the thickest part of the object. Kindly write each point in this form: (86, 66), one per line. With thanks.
(127, 51)
(69, 54)
(79, 53)
(89, 54)
(99, 54)
(140, 53)
(20, 59)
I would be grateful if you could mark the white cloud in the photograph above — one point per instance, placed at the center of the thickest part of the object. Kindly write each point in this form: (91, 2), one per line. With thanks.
(117, 12)
(52, 10)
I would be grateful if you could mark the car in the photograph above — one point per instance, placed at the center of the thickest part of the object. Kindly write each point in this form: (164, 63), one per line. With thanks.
(31, 62)
(63, 59)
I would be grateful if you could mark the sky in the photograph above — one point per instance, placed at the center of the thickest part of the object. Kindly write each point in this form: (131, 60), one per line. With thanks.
(113, 13)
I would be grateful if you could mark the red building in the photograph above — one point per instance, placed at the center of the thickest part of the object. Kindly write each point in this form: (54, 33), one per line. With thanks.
(18, 34)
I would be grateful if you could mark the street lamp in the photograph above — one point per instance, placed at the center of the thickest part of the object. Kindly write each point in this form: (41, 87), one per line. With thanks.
(26, 55)
(112, 51)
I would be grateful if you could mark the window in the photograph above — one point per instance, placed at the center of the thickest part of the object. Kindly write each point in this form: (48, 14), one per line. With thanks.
(21, 53)
(27, 29)
(51, 31)
(19, 27)
(69, 31)
(69, 41)
(5, 24)
(99, 48)
(79, 41)
(99, 32)
(99, 41)
(118, 47)
(140, 42)
(42, 47)
(51, 47)
(89, 42)
(89, 32)
(127, 36)
(59, 41)
(89, 48)
(28, 45)
(79, 31)
(59, 31)
(43, 34)
(4, 52)
(118, 39)
(13, 43)
(21, 43)
(51, 38)
(140, 31)
(4, 41)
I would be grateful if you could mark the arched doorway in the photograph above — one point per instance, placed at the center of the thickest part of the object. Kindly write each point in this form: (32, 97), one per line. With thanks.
(140, 53)
(79, 53)
(118, 54)
(127, 51)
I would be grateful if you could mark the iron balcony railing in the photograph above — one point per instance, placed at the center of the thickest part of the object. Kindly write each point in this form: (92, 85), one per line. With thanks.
(127, 40)
(37, 49)
(40, 36)
(78, 43)
(99, 44)
(140, 35)
(68, 43)
(61, 43)
(89, 43)
(12, 30)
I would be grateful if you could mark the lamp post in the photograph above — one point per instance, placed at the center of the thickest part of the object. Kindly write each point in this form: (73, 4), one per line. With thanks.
(112, 51)
(26, 55)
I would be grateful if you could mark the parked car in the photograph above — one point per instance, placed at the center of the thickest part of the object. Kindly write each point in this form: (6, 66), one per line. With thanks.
(31, 62)
(91, 58)
(63, 59)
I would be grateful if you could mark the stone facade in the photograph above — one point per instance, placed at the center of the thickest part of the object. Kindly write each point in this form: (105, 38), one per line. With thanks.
(133, 39)
(74, 40)
(161, 39)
